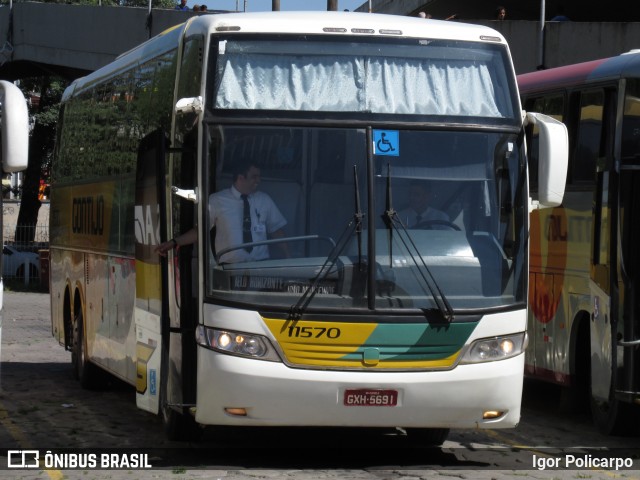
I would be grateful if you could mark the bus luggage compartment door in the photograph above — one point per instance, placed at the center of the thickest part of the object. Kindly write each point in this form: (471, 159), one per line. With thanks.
(148, 355)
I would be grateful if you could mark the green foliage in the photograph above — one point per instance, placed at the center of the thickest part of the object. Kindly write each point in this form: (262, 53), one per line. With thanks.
(49, 107)
(48, 92)
(45, 115)
(104, 124)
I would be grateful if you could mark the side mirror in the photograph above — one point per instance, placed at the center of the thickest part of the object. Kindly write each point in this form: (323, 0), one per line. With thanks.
(189, 105)
(14, 128)
(190, 195)
(553, 159)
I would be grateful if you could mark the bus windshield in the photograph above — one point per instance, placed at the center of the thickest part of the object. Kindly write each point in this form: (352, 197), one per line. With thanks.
(457, 79)
(457, 201)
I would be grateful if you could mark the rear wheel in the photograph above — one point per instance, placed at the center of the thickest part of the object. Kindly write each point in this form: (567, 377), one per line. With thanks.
(84, 370)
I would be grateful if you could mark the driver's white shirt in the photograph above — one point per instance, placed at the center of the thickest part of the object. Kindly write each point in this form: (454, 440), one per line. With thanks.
(226, 210)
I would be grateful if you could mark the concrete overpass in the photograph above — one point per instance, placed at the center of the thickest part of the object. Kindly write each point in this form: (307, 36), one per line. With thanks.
(72, 40)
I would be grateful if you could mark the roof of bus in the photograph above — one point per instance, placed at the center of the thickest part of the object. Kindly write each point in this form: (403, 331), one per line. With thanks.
(627, 64)
(345, 23)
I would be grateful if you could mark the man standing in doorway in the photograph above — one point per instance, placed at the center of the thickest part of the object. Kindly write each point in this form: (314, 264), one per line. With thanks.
(241, 214)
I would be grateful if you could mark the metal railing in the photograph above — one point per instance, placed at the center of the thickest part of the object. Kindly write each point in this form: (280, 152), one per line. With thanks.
(41, 235)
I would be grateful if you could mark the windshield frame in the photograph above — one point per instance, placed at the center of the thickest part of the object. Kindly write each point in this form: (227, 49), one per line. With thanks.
(520, 199)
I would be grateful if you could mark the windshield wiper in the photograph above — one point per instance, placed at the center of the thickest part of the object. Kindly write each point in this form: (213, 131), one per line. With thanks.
(393, 223)
(389, 214)
(358, 215)
(355, 225)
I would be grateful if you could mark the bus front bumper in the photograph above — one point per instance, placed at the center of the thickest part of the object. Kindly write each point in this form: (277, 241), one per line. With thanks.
(240, 391)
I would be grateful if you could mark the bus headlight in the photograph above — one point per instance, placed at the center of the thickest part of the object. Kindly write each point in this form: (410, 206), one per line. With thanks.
(236, 343)
(496, 348)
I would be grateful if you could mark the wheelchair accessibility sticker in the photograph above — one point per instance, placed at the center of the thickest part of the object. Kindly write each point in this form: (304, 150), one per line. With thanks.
(386, 142)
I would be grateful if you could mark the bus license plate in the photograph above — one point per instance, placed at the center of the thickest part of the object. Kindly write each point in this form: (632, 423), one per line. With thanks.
(370, 398)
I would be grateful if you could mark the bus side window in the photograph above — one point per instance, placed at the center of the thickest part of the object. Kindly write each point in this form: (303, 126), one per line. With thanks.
(588, 147)
(630, 145)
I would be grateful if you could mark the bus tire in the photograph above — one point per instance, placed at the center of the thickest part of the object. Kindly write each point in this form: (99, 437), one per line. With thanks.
(431, 437)
(84, 370)
(575, 397)
(615, 417)
(179, 426)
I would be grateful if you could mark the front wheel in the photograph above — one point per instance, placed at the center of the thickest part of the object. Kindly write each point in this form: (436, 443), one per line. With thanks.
(615, 417)
(179, 426)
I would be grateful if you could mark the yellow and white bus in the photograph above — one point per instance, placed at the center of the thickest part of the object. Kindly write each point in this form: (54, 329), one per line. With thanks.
(366, 322)
(583, 322)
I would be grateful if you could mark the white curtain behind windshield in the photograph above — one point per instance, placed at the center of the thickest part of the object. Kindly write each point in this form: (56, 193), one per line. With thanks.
(425, 80)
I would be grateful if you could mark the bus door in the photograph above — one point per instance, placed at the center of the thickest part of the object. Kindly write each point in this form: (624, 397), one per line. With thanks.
(629, 331)
(600, 287)
(151, 274)
(179, 382)
(614, 289)
(593, 138)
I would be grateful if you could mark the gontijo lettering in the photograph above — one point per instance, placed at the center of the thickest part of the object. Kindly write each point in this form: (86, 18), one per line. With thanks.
(88, 215)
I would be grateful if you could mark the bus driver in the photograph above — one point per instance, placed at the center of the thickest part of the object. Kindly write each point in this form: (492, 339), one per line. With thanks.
(419, 213)
(241, 214)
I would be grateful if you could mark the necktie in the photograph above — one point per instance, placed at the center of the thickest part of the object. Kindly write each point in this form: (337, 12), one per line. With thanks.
(246, 223)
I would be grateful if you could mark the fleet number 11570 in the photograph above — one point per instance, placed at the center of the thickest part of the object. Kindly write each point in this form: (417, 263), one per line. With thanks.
(313, 332)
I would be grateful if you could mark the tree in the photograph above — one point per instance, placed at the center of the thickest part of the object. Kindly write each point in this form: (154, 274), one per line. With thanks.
(41, 143)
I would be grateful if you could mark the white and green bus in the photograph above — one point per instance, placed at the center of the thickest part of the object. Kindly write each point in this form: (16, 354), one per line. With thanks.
(367, 321)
